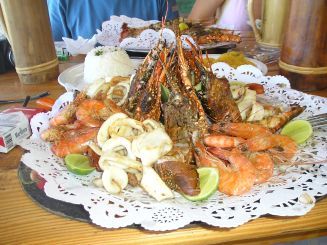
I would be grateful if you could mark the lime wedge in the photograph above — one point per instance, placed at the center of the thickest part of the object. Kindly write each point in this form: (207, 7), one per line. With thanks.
(298, 130)
(209, 178)
(78, 164)
(236, 83)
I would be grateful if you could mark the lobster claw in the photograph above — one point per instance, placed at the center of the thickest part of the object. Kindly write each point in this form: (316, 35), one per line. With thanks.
(179, 176)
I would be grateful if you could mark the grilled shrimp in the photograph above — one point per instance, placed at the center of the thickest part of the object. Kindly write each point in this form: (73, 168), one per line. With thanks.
(74, 141)
(243, 130)
(235, 178)
(222, 141)
(278, 145)
(67, 115)
(264, 166)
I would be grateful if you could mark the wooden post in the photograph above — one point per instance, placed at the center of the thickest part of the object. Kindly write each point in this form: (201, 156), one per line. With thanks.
(28, 29)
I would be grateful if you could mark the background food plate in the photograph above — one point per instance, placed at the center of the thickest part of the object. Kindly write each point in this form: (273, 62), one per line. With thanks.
(73, 78)
(221, 47)
(261, 66)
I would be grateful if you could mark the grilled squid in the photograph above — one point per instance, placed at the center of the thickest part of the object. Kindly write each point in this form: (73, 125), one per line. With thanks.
(149, 147)
(103, 134)
(126, 127)
(119, 92)
(109, 159)
(153, 184)
(114, 179)
(119, 144)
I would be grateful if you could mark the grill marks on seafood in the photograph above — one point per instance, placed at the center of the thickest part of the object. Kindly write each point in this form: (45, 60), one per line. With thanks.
(215, 95)
(185, 74)
(180, 113)
(220, 104)
(148, 105)
(140, 80)
(179, 176)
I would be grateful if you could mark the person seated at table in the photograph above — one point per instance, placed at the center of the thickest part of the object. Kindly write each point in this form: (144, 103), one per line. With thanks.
(73, 18)
(227, 14)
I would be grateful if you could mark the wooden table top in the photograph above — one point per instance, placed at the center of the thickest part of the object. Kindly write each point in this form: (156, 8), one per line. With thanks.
(24, 221)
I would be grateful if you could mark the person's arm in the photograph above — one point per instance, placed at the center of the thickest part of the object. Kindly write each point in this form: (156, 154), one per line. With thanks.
(204, 9)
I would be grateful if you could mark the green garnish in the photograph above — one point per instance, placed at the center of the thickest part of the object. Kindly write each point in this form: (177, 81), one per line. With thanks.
(99, 52)
(164, 93)
(198, 87)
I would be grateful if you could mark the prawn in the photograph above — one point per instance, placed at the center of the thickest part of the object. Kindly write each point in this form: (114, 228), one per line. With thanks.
(74, 141)
(203, 158)
(278, 145)
(237, 177)
(67, 115)
(222, 141)
(89, 112)
(56, 133)
(264, 166)
(243, 130)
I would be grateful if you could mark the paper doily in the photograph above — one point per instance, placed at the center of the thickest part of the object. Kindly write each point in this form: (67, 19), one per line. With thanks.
(110, 33)
(289, 193)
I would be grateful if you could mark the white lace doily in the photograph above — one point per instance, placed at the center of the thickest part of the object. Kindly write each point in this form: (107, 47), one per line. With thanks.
(110, 33)
(291, 192)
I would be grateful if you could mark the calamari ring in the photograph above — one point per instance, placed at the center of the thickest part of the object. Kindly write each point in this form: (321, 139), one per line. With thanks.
(126, 127)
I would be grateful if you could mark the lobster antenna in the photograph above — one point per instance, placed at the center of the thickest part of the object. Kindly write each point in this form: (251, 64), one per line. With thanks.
(163, 19)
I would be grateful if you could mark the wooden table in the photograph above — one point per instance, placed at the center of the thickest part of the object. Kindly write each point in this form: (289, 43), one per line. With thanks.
(23, 221)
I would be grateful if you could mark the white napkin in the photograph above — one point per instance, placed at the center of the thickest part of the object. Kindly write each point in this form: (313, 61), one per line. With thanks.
(80, 45)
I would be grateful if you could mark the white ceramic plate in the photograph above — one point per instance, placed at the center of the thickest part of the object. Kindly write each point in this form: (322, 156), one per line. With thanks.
(73, 78)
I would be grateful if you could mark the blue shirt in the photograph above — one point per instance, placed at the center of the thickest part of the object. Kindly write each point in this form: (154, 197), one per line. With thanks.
(73, 18)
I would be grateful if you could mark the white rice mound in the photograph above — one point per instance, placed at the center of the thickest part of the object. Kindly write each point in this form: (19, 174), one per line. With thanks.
(106, 61)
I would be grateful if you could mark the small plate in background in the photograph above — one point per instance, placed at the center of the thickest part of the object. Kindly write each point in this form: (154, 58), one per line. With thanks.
(261, 66)
(73, 77)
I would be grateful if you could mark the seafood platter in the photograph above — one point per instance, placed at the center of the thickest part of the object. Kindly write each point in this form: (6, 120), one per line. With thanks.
(148, 133)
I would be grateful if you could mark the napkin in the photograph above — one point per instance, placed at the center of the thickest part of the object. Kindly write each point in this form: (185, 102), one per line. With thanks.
(80, 45)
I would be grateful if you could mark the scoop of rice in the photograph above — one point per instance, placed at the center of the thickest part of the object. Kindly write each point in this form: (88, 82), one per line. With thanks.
(106, 61)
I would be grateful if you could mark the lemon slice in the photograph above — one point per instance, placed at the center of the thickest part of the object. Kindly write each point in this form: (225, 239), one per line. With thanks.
(297, 130)
(183, 26)
(209, 179)
(78, 164)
